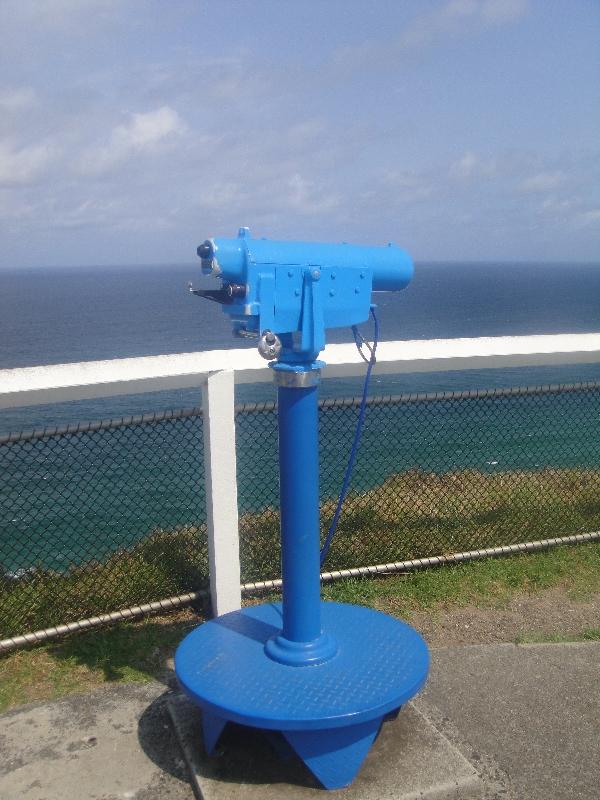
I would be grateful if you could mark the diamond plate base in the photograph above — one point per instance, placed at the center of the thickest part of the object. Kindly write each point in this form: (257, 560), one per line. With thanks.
(329, 713)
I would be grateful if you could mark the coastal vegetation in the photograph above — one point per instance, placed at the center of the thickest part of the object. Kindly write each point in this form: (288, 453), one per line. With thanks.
(562, 583)
(411, 515)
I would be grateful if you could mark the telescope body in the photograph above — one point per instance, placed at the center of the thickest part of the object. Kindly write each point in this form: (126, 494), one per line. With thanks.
(291, 287)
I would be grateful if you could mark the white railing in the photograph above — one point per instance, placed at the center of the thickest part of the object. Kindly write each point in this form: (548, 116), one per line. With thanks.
(218, 371)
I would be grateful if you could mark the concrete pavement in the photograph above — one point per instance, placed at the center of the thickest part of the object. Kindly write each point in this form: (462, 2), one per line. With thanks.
(533, 709)
(494, 721)
(111, 743)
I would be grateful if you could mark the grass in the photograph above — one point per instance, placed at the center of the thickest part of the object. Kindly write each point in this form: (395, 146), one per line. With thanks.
(125, 653)
(424, 514)
(411, 515)
(493, 581)
(418, 514)
(165, 564)
(588, 635)
(136, 651)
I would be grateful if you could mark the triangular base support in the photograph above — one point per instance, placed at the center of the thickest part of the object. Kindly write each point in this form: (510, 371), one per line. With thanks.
(335, 755)
(212, 728)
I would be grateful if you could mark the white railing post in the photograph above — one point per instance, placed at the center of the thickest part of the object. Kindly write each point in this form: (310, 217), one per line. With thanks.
(218, 397)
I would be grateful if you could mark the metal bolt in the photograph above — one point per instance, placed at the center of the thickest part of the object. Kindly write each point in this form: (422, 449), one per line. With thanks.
(269, 345)
(315, 274)
(290, 273)
(297, 292)
(331, 292)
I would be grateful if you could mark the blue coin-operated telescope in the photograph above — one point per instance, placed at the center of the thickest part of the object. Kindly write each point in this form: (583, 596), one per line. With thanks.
(325, 675)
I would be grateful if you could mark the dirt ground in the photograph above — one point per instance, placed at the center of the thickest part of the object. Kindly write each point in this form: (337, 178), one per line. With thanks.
(545, 614)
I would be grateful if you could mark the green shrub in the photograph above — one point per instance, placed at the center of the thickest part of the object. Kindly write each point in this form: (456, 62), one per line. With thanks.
(411, 515)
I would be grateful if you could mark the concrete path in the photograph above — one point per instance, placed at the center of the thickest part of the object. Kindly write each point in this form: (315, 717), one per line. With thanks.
(112, 743)
(534, 710)
(494, 721)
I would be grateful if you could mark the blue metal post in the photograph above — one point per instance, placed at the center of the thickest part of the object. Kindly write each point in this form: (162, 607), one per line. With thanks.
(299, 493)
(301, 640)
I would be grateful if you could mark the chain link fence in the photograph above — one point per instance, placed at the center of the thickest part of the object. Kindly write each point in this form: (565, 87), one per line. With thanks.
(105, 516)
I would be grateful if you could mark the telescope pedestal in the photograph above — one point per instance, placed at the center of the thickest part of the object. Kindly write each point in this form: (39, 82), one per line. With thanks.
(329, 713)
(324, 674)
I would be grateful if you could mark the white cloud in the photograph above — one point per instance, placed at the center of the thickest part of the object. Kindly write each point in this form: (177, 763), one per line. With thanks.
(461, 16)
(543, 182)
(497, 12)
(86, 213)
(14, 209)
(143, 133)
(24, 165)
(305, 198)
(448, 20)
(305, 133)
(472, 165)
(407, 187)
(589, 218)
(553, 204)
(221, 195)
(17, 99)
(146, 130)
(385, 156)
(57, 14)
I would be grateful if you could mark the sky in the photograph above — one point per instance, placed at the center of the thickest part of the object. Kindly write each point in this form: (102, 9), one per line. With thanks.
(131, 130)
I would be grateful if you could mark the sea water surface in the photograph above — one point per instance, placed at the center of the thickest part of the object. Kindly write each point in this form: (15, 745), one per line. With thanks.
(63, 315)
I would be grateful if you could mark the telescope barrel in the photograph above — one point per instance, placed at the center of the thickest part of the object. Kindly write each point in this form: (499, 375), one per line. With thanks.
(390, 266)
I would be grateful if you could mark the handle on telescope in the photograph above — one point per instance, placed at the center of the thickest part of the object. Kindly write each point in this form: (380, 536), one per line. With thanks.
(226, 295)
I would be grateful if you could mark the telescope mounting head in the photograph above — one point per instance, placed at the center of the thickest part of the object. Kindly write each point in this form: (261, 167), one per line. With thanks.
(288, 293)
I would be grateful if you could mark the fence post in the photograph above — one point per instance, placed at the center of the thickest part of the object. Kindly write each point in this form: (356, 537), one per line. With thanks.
(218, 397)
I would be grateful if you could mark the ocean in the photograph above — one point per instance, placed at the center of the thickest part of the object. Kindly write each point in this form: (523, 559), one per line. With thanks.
(61, 315)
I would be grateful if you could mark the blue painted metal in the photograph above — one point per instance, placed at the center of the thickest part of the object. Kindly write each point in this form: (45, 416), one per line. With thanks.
(222, 667)
(335, 755)
(381, 663)
(301, 640)
(212, 728)
(303, 287)
(326, 675)
(299, 473)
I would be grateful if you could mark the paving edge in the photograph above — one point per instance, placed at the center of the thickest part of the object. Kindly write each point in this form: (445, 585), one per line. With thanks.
(411, 753)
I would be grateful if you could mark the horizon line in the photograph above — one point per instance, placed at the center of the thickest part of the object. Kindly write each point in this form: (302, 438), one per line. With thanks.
(421, 261)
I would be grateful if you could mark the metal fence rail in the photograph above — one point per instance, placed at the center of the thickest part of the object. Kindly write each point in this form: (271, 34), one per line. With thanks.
(112, 515)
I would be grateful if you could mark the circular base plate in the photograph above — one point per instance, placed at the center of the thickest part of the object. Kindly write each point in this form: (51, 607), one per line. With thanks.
(380, 664)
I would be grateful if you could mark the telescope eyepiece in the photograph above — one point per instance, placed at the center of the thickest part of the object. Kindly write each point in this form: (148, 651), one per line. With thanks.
(205, 251)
